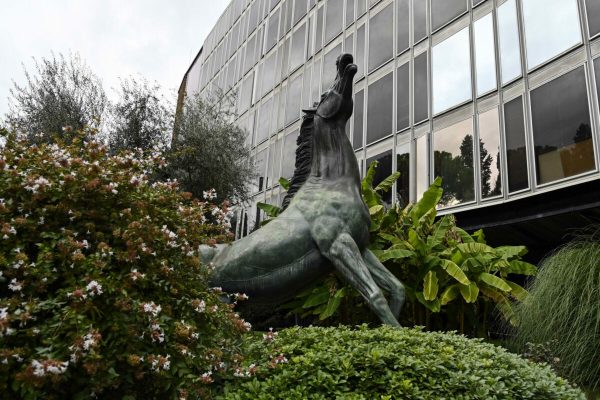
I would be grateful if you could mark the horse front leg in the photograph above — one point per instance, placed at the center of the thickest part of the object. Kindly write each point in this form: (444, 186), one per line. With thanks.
(348, 261)
(385, 279)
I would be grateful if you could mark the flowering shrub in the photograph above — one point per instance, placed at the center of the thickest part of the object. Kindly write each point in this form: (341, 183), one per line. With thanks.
(102, 292)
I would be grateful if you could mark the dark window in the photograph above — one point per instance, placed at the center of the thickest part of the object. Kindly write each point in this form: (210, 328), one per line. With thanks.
(349, 12)
(403, 97)
(420, 19)
(444, 11)
(562, 130)
(593, 14)
(329, 69)
(289, 155)
(319, 33)
(384, 169)
(298, 48)
(294, 100)
(272, 31)
(403, 166)
(360, 52)
(516, 155)
(299, 10)
(359, 102)
(379, 108)
(453, 162)
(403, 11)
(489, 153)
(420, 88)
(381, 40)
(333, 19)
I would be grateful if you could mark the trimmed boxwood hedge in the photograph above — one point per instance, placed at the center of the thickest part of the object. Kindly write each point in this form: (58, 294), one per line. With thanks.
(388, 363)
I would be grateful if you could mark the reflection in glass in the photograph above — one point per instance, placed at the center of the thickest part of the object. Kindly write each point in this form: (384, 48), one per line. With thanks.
(489, 153)
(333, 19)
(357, 136)
(516, 153)
(349, 12)
(403, 166)
(444, 11)
(451, 71)
(264, 119)
(593, 15)
(379, 108)
(289, 155)
(508, 36)
(329, 71)
(562, 130)
(485, 56)
(403, 97)
(272, 30)
(246, 93)
(420, 88)
(384, 169)
(403, 24)
(420, 20)
(294, 100)
(551, 27)
(274, 163)
(381, 40)
(360, 52)
(298, 48)
(453, 162)
(259, 168)
(422, 163)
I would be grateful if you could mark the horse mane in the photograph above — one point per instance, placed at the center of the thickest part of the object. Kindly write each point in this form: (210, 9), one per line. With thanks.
(304, 153)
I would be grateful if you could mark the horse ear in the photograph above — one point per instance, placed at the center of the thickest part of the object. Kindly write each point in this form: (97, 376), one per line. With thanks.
(330, 105)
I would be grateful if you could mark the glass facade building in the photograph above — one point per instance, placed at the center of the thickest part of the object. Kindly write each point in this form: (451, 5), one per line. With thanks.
(498, 97)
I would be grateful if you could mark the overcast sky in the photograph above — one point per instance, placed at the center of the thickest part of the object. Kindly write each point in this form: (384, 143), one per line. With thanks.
(157, 39)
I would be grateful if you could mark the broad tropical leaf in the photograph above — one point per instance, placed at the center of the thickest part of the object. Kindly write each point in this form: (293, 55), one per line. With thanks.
(269, 209)
(395, 254)
(464, 236)
(517, 291)
(284, 183)
(508, 252)
(441, 229)
(450, 294)
(434, 306)
(387, 183)
(375, 209)
(390, 238)
(430, 286)
(522, 268)
(502, 303)
(454, 271)
(494, 281)
(474, 248)
(430, 199)
(333, 304)
(469, 292)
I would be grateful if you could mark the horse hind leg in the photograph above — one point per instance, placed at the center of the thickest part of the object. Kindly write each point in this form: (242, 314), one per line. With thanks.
(385, 279)
(348, 261)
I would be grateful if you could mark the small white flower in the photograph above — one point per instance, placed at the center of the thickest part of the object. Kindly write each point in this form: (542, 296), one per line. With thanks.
(94, 288)
(15, 286)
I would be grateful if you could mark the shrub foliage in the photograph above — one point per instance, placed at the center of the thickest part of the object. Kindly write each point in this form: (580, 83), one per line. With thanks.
(101, 288)
(389, 363)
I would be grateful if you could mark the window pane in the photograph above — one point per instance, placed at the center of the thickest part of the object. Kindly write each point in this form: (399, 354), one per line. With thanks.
(597, 73)
(489, 153)
(420, 19)
(259, 168)
(562, 131)
(264, 119)
(451, 69)
(349, 44)
(422, 162)
(403, 99)
(319, 33)
(359, 102)
(298, 48)
(329, 69)
(274, 162)
(306, 103)
(593, 14)
(403, 15)
(316, 80)
(420, 89)
(403, 166)
(384, 169)
(444, 11)
(551, 27)
(333, 19)
(299, 10)
(381, 40)
(510, 55)
(268, 73)
(360, 52)
(272, 30)
(249, 59)
(379, 108)
(516, 154)
(246, 93)
(485, 56)
(361, 7)
(349, 12)
(294, 100)
(284, 50)
(453, 161)
(289, 155)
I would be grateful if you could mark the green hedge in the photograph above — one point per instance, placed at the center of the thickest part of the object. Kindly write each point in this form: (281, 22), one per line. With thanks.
(388, 363)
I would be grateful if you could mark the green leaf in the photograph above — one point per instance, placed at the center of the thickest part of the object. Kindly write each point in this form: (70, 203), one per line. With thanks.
(387, 183)
(454, 271)
(395, 254)
(368, 179)
(464, 236)
(469, 292)
(319, 297)
(434, 306)
(474, 248)
(517, 291)
(441, 228)
(430, 286)
(479, 236)
(375, 209)
(271, 210)
(390, 238)
(333, 304)
(450, 294)
(508, 252)
(429, 201)
(522, 268)
(284, 183)
(502, 303)
(494, 281)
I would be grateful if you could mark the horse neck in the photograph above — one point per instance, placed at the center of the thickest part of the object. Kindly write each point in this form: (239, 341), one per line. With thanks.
(333, 156)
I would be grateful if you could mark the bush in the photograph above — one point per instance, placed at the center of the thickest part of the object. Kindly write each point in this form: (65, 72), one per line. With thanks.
(386, 363)
(562, 311)
(101, 288)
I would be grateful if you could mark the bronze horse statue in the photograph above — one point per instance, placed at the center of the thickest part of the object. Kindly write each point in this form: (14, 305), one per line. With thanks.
(324, 225)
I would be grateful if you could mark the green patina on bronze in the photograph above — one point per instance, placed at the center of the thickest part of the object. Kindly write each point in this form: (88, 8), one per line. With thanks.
(324, 225)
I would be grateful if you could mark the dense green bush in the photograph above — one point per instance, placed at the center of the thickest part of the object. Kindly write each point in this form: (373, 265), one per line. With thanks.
(562, 312)
(101, 287)
(388, 363)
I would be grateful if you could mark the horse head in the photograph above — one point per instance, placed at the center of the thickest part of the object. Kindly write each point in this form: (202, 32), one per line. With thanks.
(336, 103)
